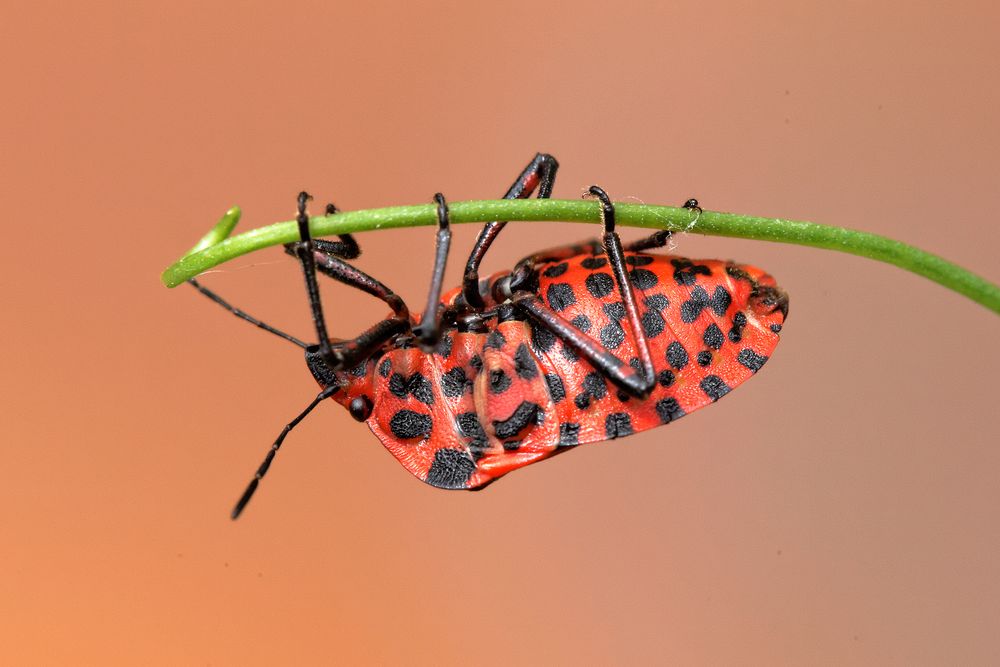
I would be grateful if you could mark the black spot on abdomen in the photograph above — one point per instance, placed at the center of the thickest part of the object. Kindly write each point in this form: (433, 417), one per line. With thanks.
(612, 335)
(499, 381)
(599, 284)
(407, 424)
(715, 387)
(495, 340)
(581, 322)
(643, 279)
(443, 348)
(569, 434)
(397, 385)
(677, 356)
(454, 382)
(525, 414)
(416, 385)
(653, 323)
(594, 385)
(669, 410)
(593, 263)
(524, 364)
(739, 323)
(615, 310)
(451, 469)
(713, 336)
(541, 338)
(556, 388)
(555, 270)
(469, 426)
(617, 424)
(751, 359)
(560, 296)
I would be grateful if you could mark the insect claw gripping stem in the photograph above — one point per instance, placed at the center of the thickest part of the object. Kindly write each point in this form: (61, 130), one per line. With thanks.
(607, 208)
(692, 205)
(662, 237)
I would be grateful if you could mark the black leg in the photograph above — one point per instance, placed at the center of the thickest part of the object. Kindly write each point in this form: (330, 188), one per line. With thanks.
(326, 258)
(330, 265)
(607, 363)
(540, 173)
(346, 248)
(662, 237)
(343, 249)
(243, 315)
(304, 251)
(430, 323)
(262, 470)
(634, 381)
(345, 354)
(651, 242)
(353, 352)
(616, 257)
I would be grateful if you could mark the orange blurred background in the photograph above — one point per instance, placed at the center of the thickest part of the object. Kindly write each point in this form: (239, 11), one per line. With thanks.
(840, 508)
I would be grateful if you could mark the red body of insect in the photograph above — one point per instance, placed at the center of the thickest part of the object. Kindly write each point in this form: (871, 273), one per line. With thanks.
(485, 403)
(575, 344)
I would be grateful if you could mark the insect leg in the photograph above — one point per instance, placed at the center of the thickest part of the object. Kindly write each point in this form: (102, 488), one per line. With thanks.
(634, 381)
(662, 237)
(346, 248)
(616, 257)
(262, 470)
(352, 352)
(595, 247)
(430, 322)
(326, 254)
(330, 265)
(623, 375)
(303, 249)
(540, 173)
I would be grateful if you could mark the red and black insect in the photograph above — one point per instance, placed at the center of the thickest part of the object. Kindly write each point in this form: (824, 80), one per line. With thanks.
(575, 344)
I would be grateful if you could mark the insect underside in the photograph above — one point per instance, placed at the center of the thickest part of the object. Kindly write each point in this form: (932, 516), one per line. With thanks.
(576, 344)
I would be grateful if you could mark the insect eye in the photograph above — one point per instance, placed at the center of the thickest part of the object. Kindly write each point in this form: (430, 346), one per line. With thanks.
(360, 408)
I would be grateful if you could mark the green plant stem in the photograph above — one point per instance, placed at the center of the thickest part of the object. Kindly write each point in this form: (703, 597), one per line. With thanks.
(215, 248)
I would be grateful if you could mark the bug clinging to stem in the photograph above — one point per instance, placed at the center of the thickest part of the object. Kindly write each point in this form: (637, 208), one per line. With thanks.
(574, 344)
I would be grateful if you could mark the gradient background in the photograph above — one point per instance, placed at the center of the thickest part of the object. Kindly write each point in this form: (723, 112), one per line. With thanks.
(840, 508)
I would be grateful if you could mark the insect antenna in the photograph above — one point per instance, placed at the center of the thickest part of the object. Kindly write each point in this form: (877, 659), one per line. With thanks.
(244, 315)
(262, 470)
